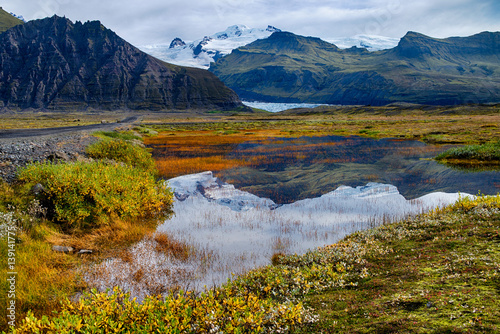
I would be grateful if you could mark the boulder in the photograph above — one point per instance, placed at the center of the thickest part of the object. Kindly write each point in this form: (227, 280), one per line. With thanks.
(38, 189)
(62, 249)
(59, 155)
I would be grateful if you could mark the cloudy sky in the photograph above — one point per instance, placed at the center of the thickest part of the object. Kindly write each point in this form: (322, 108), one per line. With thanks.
(159, 21)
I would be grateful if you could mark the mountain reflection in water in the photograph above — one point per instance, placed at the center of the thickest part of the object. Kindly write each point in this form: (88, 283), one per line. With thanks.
(289, 169)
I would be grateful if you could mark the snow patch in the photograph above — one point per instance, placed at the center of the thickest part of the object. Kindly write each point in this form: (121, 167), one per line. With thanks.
(369, 42)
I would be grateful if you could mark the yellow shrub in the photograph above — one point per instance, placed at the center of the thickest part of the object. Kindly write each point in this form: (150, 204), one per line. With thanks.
(86, 195)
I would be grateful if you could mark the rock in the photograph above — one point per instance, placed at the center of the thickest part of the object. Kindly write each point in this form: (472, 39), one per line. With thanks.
(59, 156)
(85, 251)
(104, 121)
(62, 249)
(38, 189)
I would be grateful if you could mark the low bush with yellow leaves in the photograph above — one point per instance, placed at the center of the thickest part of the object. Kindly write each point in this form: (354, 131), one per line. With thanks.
(122, 151)
(86, 195)
(216, 311)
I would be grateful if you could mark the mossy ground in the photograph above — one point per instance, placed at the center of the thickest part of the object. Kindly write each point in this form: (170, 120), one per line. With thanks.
(442, 275)
(484, 156)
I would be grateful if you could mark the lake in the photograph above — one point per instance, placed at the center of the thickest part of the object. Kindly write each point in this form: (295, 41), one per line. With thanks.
(291, 195)
(290, 169)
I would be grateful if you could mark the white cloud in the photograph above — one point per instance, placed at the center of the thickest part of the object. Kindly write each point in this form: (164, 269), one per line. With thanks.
(151, 21)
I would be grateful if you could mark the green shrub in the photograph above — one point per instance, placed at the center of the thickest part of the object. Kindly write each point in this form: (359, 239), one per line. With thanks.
(484, 152)
(146, 131)
(86, 195)
(122, 151)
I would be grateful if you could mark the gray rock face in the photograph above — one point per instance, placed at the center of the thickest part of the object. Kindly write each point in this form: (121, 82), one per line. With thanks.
(56, 64)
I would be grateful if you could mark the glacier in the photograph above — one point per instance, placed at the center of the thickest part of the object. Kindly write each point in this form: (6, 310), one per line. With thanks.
(232, 231)
(201, 52)
(369, 42)
(277, 107)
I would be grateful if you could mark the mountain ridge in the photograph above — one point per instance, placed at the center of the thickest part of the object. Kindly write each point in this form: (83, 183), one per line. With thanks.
(290, 68)
(200, 53)
(54, 63)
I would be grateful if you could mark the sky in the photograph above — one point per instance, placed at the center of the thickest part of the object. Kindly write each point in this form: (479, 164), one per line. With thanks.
(143, 22)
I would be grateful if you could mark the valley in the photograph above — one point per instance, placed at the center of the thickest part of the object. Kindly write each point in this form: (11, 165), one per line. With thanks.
(141, 196)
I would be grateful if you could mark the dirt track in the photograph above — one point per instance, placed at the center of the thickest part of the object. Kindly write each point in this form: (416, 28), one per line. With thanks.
(19, 147)
(26, 133)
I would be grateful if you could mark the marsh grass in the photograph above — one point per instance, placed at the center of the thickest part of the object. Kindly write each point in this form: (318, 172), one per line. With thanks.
(175, 248)
(438, 128)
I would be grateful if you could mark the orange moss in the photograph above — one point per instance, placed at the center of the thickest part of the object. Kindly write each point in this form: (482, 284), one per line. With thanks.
(173, 166)
(198, 151)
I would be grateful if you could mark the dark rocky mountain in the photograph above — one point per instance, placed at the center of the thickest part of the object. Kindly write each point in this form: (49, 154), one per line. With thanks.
(420, 69)
(8, 20)
(176, 42)
(56, 64)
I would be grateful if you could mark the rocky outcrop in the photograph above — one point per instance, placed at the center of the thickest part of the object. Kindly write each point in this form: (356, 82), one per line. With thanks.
(176, 42)
(56, 64)
(17, 153)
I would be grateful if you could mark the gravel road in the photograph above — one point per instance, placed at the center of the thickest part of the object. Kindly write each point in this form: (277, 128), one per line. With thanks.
(23, 146)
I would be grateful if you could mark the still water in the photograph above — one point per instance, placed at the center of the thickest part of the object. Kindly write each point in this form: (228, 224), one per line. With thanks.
(290, 169)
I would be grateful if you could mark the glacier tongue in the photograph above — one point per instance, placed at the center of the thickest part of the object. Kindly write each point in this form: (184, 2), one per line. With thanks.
(232, 231)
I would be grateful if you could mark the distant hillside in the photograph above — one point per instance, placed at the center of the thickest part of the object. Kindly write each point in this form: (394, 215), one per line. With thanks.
(56, 64)
(420, 69)
(7, 20)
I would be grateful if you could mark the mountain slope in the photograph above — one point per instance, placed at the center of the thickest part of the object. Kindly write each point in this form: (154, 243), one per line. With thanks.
(56, 64)
(8, 20)
(420, 69)
(202, 52)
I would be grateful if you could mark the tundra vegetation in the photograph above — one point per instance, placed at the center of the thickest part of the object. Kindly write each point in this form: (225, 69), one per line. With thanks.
(437, 272)
(101, 205)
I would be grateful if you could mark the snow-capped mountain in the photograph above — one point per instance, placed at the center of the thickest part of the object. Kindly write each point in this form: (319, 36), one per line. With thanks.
(202, 52)
(369, 42)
